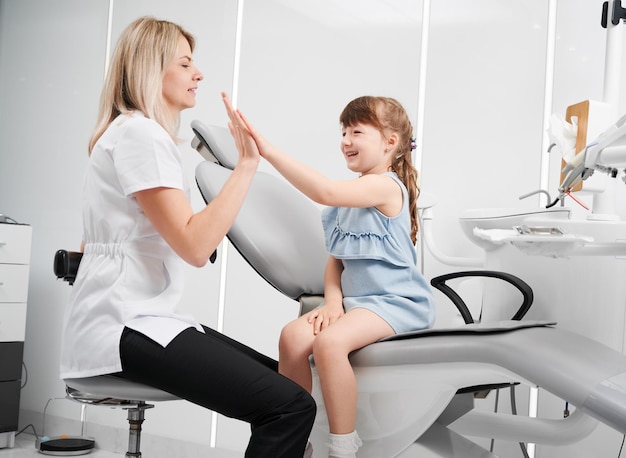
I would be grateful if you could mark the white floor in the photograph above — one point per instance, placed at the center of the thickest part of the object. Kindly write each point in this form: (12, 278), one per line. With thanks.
(25, 448)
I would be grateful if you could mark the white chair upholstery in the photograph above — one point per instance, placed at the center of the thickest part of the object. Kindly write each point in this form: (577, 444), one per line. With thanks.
(116, 388)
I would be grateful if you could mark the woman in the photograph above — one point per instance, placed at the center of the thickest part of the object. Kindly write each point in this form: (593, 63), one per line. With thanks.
(138, 228)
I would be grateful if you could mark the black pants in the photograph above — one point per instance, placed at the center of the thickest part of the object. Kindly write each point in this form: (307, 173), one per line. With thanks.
(225, 376)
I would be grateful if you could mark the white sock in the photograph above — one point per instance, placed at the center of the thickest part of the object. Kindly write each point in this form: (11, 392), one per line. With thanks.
(308, 451)
(344, 445)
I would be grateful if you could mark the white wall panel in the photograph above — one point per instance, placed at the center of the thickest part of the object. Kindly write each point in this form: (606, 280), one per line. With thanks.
(51, 70)
(483, 115)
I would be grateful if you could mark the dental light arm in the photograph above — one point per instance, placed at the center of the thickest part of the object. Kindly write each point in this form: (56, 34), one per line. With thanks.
(606, 154)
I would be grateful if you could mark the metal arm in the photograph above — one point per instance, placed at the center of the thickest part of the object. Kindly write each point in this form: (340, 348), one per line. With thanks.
(606, 154)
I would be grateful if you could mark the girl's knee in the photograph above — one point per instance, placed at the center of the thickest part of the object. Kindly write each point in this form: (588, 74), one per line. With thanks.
(293, 339)
(328, 343)
(287, 333)
(288, 339)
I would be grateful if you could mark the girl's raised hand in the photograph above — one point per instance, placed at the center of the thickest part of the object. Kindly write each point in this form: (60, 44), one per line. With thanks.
(265, 148)
(246, 144)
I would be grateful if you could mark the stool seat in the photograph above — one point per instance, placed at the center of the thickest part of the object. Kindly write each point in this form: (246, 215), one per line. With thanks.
(112, 391)
(110, 386)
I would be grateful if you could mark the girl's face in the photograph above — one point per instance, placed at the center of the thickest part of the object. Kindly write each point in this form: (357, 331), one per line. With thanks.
(365, 149)
(181, 79)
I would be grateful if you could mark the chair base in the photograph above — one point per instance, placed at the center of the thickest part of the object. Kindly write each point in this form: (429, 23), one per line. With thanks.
(135, 420)
(65, 445)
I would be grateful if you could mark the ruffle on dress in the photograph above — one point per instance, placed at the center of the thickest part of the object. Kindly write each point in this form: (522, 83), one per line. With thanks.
(344, 244)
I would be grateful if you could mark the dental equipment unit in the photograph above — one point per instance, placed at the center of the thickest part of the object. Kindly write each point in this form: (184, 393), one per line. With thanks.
(416, 390)
(606, 154)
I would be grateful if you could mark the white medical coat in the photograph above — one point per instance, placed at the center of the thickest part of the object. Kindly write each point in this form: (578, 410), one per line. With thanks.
(128, 276)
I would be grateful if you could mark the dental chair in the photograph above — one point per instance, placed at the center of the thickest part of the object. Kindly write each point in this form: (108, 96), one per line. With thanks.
(416, 390)
(106, 390)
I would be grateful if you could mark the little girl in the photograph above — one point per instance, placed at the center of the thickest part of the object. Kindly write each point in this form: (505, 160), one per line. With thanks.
(372, 287)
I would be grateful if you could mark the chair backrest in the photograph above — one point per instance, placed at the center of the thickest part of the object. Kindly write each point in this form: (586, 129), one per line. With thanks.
(278, 231)
(215, 144)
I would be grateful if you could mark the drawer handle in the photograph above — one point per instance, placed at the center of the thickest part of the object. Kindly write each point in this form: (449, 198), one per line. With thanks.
(3, 243)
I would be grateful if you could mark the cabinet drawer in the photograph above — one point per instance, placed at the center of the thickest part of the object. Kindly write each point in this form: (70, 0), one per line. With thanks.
(15, 244)
(12, 322)
(13, 283)
(11, 354)
(9, 405)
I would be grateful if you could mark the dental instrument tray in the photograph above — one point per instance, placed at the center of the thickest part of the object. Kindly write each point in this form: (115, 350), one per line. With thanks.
(538, 230)
(545, 241)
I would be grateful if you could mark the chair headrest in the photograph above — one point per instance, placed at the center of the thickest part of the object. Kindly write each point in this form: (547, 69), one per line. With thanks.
(278, 231)
(215, 144)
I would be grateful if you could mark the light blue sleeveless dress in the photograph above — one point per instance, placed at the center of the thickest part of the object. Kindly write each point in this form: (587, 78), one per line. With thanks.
(380, 264)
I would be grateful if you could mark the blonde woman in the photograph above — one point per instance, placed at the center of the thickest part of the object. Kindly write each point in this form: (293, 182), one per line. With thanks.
(138, 229)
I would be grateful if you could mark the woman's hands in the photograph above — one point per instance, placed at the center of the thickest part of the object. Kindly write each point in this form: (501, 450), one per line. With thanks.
(324, 316)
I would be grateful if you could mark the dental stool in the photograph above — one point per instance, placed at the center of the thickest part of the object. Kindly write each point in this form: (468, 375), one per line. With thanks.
(416, 390)
(109, 390)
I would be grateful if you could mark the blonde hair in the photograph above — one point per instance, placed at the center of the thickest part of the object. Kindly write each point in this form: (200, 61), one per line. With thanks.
(135, 77)
(387, 114)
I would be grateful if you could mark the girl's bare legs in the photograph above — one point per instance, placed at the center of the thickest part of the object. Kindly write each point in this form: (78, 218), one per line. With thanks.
(357, 328)
(294, 348)
(331, 347)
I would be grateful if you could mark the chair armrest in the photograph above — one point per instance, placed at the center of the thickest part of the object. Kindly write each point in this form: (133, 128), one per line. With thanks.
(440, 283)
(66, 264)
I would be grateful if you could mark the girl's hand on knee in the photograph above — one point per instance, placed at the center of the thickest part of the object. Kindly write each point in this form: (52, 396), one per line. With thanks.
(324, 316)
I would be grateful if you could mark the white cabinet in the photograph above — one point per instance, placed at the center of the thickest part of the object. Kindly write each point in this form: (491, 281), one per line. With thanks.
(15, 241)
